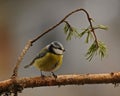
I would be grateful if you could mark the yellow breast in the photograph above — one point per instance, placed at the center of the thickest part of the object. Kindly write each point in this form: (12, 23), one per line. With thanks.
(50, 62)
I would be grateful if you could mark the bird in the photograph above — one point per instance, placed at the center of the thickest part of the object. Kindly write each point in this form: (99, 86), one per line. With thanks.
(49, 59)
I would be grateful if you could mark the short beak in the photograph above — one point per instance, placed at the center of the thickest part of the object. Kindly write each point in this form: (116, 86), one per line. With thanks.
(64, 50)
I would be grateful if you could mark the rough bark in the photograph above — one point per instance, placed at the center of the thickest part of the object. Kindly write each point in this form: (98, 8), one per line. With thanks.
(80, 79)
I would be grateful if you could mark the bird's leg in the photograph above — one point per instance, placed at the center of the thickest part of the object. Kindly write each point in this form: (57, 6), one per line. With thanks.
(55, 76)
(42, 74)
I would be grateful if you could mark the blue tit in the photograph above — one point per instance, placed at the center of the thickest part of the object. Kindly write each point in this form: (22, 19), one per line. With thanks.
(49, 59)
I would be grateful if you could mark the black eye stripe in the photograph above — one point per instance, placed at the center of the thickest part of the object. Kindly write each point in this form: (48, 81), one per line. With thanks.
(57, 46)
(60, 48)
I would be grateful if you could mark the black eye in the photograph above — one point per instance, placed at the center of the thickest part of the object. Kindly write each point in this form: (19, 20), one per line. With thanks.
(60, 48)
(57, 45)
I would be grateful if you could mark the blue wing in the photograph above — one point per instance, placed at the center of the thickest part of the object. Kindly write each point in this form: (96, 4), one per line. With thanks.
(42, 53)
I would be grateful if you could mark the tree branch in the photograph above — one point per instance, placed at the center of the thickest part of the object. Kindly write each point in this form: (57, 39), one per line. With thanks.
(30, 42)
(80, 79)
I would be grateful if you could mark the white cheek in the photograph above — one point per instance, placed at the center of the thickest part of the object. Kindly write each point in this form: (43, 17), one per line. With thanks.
(57, 51)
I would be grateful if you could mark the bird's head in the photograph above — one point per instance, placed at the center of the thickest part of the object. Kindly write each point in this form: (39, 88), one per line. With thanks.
(56, 48)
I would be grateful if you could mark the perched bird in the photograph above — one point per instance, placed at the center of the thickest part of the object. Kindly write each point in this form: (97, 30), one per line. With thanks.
(49, 59)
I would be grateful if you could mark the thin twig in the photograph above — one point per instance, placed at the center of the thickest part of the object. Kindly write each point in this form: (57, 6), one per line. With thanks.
(30, 42)
(20, 58)
(92, 29)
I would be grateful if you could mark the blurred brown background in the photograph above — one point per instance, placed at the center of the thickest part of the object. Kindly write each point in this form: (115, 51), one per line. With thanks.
(21, 20)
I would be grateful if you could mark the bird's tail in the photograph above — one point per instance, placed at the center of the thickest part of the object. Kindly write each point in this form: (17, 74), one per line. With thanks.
(27, 66)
